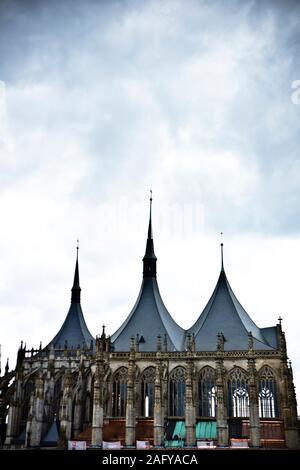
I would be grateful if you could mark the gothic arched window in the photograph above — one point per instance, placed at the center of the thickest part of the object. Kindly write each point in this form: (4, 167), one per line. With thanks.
(177, 392)
(238, 396)
(207, 392)
(267, 396)
(119, 393)
(147, 389)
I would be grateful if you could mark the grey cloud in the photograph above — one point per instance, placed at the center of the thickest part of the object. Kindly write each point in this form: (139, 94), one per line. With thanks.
(127, 78)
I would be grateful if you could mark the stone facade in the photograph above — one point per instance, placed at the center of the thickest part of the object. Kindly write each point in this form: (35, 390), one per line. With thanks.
(76, 388)
(153, 380)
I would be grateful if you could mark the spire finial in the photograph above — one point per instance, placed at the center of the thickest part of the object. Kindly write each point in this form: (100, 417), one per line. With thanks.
(149, 259)
(150, 218)
(76, 287)
(222, 244)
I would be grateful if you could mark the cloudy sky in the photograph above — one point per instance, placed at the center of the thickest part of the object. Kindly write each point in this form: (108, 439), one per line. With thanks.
(101, 101)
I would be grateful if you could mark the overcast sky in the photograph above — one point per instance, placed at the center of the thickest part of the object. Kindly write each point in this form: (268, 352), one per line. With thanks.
(101, 100)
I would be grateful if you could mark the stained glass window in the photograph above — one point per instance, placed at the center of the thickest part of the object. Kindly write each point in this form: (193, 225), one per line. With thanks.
(147, 389)
(238, 396)
(119, 393)
(267, 397)
(207, 393)
(177, 392)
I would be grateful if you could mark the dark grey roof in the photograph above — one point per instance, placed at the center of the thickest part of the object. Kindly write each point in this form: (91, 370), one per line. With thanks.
(74, 331)
(270, 334)
(224, 314)
(148, 319)
(51, 438)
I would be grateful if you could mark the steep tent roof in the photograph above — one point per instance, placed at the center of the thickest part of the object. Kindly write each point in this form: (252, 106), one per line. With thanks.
(224, 314)
(149, 317)
(74, 331)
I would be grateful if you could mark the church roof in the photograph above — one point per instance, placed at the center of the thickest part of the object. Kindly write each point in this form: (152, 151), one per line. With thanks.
(74, 330)
(149, 317)
(224, 314)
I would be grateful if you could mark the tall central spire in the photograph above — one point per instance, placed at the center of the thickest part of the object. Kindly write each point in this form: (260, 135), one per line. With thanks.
(75, 298)
(149, 260)
(149, 317)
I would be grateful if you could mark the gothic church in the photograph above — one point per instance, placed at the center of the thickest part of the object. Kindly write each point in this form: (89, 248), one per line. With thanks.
(223, 380)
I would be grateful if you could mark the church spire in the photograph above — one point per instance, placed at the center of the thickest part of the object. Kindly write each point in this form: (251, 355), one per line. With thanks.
(222, 260)
(75, 298)
(149, 260)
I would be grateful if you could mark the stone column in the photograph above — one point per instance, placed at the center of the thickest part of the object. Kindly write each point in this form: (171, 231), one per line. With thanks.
(130, 406)
(97, 424)
(37, 412)
(289, 406)
(287, 395)
(28, 430)
(13, 419)
(77, 425)
(158, 421)
(189, 406)
(222, 423)
(78, 410)
(14, 413)
(292, 428)
(66, 411)
(254, 422)
(48, 400)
